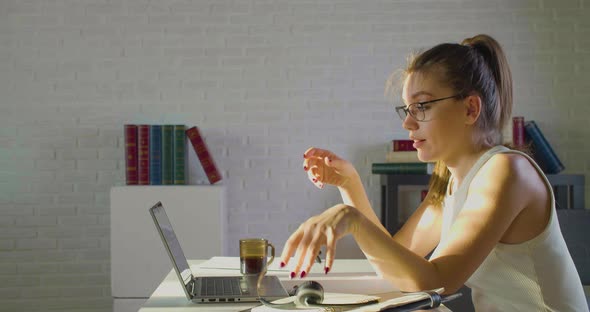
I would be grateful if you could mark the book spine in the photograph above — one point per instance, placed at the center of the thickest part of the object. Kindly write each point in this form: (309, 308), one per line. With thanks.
(143, 154)
(542, 151)
(401, 168)
(423, 194)
(203, 154)
(518, 132)
(402, 145)
(131, 176)
(156, 155)
(405, 157)
(179, 152)
(167, 154)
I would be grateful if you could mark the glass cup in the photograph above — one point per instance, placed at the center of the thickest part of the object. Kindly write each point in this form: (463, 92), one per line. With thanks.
(254, 254)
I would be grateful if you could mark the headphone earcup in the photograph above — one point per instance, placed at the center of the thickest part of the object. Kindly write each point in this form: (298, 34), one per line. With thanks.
(309, 292)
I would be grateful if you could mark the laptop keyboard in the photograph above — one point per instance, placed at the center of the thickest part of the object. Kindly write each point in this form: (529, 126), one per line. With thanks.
(220, 287)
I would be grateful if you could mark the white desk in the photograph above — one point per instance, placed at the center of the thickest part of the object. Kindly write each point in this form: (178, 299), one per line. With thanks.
(347, 276)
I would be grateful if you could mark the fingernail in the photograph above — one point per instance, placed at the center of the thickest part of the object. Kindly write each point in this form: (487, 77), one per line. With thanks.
(326, 270)
(282, 265)
(303, 155)
(303, 274)
(292, 275)
(322, 186)
(329, 159)
(314, 180)
(305, 168)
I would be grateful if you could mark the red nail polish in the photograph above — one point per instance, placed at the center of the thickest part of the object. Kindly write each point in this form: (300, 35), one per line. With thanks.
(292, 275)
(329, 159)
(326, 270)
(303, 155)
(282, 265)
(314, 180)
(303, 274)
(305, 168)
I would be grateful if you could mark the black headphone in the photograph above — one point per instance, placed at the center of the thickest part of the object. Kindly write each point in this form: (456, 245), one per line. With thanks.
(311, 294)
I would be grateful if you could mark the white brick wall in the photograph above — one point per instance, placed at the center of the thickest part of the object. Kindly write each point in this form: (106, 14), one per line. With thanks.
(263, 79)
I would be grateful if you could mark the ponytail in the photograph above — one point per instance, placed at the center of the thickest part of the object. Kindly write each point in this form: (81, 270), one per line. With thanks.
(495, 59)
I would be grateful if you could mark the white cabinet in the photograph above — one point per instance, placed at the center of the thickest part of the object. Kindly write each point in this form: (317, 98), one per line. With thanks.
(139, 261)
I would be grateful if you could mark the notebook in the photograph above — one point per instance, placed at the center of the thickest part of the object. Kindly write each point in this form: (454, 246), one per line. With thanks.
(207, 289)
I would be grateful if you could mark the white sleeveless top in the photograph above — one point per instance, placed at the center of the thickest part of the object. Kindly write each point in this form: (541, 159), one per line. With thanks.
(536, 275)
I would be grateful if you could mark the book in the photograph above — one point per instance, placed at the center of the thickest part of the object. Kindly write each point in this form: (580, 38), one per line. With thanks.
(541, 149)
(203, 154)
(402, 168)
(143, 154)
(402, 145)
(130, 138)
(179, 147)
(167, 154)
(156, 155)
(423, 194)
(402, 157)
(518, 139)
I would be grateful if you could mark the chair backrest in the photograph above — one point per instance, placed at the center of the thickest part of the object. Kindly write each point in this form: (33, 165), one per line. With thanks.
(575, 226)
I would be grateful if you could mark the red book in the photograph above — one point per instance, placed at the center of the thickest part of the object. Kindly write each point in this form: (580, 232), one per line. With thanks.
(403, 145)
(518, 132)
(131, 154)
(423, 194)
(143, 154)
(205, 158)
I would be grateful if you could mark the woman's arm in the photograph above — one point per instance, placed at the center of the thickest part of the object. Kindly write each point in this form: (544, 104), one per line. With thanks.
(325, 167)
(421, 231)
(497, 195)
(354, 195)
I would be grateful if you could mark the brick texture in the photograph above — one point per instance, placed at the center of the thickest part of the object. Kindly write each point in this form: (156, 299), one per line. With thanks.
(263, 79)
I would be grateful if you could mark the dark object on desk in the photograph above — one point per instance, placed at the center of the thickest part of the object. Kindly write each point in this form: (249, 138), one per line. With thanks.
(310, 294)
(434, 301)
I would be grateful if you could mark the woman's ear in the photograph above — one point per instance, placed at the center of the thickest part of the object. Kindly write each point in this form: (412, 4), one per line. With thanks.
(472, 108)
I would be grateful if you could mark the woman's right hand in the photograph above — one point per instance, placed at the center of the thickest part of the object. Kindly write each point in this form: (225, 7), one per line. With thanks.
(325, 167)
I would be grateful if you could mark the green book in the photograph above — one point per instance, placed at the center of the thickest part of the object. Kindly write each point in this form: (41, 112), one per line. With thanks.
(179, 152)
(167, 154)
(402, 168)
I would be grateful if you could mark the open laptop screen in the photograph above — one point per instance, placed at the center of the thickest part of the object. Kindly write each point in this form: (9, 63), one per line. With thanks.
(169, 238)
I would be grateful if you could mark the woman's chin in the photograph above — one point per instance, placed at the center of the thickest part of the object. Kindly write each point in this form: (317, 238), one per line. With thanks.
(424, 157)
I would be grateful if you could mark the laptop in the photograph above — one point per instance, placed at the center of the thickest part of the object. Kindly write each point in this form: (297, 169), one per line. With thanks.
(207, 289)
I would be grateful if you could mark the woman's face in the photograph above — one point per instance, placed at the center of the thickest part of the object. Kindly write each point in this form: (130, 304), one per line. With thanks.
(439, 136)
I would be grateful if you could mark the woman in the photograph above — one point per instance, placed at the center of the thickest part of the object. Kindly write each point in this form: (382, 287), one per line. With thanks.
(489, 214)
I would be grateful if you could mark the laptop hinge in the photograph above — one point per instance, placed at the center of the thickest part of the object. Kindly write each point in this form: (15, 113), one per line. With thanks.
(190, 287)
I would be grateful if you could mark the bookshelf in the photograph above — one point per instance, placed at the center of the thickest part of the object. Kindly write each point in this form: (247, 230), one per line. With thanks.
(568, 190)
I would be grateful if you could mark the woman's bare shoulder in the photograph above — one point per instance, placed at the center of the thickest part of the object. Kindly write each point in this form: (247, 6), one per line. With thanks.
(512, 168)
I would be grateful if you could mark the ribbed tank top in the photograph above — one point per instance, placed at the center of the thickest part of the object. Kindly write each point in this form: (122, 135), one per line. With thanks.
(536, 275)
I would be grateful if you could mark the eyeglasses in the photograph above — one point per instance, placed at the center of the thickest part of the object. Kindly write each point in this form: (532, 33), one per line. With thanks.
(417, 110)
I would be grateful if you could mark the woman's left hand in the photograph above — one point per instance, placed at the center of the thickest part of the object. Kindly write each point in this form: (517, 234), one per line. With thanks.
(323, 229)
